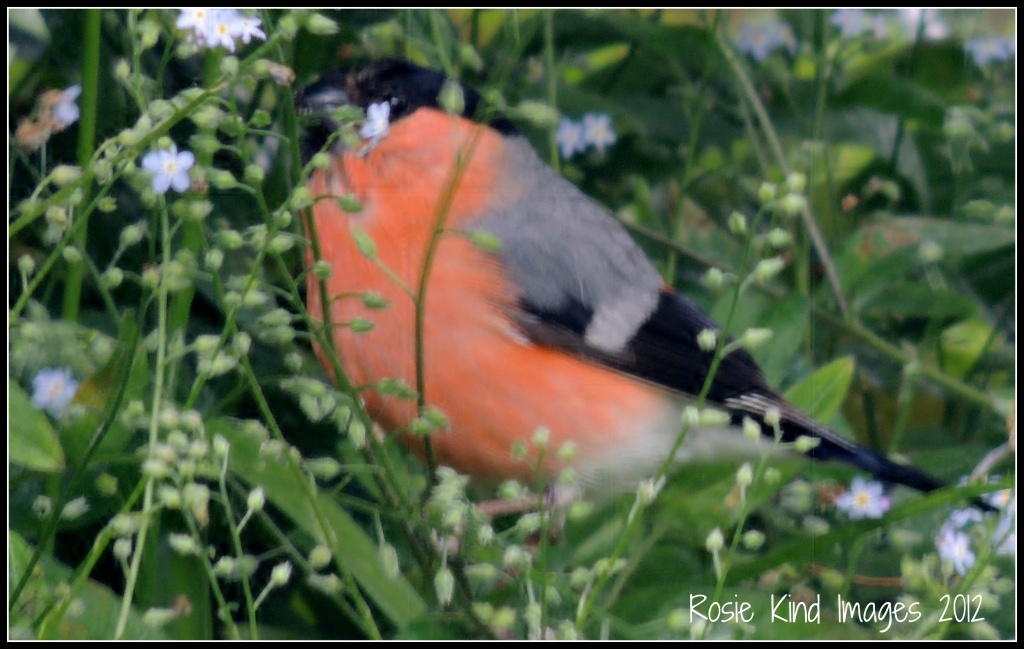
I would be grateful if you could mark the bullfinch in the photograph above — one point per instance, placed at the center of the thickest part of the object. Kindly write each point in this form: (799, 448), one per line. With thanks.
(565, 326)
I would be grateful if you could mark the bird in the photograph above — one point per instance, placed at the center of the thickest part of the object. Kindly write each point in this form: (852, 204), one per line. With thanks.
(539, 312)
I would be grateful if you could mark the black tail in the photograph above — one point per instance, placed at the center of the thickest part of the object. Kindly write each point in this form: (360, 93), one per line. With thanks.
(795, 424)
(881, 467)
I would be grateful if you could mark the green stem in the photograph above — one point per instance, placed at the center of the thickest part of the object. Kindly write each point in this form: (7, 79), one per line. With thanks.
(218, 593)
(367, 623)
(51, 615)
(752, 98)
(746, 508)
(691, 150)
(440, 44)
(154, 426)
(440, 219)
(236, 540)
(86, 144)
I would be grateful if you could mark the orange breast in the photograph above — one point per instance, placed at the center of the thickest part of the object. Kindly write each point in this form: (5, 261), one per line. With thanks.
(494, 386)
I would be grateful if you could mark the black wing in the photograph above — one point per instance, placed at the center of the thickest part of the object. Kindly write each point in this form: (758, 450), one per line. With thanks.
(664, 351)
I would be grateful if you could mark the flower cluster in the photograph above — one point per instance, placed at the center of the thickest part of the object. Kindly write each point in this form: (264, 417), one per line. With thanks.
(864, 499)
(220, 27)
(762, 38)
(53, 390)
(954, 543)
(594, 130)
(58, 109)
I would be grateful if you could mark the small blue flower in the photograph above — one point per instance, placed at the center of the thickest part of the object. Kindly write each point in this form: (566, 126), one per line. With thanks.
(65, 112)
(991, 48)
(955, 546)
(570, 137)
(170, 168)
(597, 131)
(53, 390)
(761, 39)
(864, 499)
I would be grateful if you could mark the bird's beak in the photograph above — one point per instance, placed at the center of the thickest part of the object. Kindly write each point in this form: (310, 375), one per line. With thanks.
(320, 99)
(316, 106)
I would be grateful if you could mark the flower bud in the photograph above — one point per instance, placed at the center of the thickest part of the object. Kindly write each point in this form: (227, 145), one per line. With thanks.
(256, 499)
(766, 193)
(737, 224)
(444, 586)
(715, 540)
(707, 340)
(320, 25)
(280, 574)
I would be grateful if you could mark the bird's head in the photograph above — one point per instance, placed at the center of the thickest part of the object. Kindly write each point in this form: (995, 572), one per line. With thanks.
(387, 90)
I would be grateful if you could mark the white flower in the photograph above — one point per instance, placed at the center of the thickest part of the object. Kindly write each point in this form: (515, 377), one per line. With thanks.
(219, 27)
(249, 28)
(597, 131)
(222, 28)
(569, 137)
(53, 390)
(376, 125)
(761, 39)
(864, 499)
(194, 20)
(170, 168)
(65, 111)
(955, 546)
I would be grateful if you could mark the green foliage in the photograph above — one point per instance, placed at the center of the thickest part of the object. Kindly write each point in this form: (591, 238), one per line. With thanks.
(209, 479)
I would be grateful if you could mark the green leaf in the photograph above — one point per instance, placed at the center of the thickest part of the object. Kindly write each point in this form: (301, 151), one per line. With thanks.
(32, 442)
(964, 343)
(892, 94)
(288, 490)
(91, 615)
(822, 393)
(901, 299)
(95, 393)
(955, 238)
